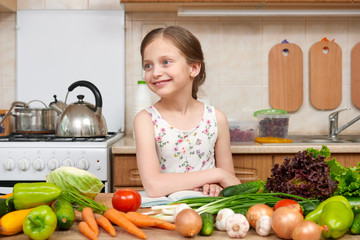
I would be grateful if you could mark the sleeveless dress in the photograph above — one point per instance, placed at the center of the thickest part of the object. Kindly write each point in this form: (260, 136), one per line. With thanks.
(185, 151)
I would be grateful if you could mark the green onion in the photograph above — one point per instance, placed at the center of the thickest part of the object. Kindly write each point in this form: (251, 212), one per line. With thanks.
(236, 202)
(82, 201)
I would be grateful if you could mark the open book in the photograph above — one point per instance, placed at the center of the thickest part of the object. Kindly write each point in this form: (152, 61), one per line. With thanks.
(147, 201)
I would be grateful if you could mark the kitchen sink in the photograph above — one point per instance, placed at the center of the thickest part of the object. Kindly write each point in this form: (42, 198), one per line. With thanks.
(323, 139)
(354, 140)
(320, 139)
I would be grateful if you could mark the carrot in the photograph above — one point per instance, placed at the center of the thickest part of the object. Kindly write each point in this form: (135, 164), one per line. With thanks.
(165, 225)
(7, 195)
(141, 220)
(115, 217)
(85, 229)
(105, 224)
(89, 218)
(124, 215)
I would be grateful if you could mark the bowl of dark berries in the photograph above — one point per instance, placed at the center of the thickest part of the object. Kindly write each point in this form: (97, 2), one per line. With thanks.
(273, 123)
(242, 132)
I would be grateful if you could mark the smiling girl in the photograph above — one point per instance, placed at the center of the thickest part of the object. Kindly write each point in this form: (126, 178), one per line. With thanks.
(181, 143)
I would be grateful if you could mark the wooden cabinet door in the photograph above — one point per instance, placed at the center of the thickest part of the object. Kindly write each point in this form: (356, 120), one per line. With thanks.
(125, 171)
(250, 167)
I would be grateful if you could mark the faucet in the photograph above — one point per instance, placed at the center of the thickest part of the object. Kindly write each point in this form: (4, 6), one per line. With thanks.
(333, 123)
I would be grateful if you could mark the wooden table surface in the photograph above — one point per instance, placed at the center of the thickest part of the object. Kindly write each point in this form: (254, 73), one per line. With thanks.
(152, 233)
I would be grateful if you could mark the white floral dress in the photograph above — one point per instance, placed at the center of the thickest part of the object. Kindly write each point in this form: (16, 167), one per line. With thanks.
(185, 151)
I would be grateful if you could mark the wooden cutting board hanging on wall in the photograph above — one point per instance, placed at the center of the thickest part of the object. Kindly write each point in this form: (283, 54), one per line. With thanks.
(325, 75)
(355, 75)
(286, 77)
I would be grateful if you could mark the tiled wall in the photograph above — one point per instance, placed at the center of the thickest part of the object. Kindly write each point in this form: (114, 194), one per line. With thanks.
(236, 53)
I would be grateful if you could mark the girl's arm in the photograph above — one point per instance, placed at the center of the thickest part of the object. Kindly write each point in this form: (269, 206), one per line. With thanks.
(159, 184)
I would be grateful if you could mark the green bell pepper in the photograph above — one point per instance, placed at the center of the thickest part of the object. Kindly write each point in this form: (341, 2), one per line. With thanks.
(315, 214)
(338, 217)
(40, 223)
(29, 195)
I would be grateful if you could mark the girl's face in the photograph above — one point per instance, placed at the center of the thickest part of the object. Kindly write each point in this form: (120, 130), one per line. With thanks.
(166, 70)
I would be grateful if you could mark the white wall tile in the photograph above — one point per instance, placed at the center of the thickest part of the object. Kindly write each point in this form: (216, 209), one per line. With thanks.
(30, 4)
(67, 4)
(105, 4)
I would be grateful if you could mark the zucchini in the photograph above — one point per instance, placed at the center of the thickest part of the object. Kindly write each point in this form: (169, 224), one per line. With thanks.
(248, 187)
(6, 206)
(207, 224)
(64, 212)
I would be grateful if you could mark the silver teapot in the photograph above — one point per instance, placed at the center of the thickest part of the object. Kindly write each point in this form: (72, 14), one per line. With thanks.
(80, 119)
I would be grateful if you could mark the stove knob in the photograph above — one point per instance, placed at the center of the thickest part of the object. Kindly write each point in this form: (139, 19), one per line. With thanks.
(9, 164)
(68, 162)
(24, 164)
(98, 167)
(83, 164)
(53, 164)
(39, 164)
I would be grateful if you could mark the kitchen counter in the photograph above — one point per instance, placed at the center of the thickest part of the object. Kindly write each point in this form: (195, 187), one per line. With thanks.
(126, 145)
(152, 233)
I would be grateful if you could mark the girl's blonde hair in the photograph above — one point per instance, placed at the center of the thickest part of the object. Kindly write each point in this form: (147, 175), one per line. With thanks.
(188, 45)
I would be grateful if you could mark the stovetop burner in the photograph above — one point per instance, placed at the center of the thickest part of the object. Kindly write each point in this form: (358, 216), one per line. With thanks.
(21, 137)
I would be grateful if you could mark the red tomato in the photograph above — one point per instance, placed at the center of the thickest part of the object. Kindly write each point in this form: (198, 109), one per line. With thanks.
(126, 200)
(288, 203)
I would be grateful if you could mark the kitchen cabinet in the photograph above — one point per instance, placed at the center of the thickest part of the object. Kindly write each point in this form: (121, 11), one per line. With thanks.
(248, 167)
(8, 5)
(173, 5)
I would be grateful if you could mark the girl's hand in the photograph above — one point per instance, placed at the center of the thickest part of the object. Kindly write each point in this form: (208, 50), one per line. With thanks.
(212, 190)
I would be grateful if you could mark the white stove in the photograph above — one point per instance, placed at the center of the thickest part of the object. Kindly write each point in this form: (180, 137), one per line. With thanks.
(29, 158)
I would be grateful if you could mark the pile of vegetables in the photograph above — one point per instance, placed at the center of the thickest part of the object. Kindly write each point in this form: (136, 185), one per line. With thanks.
(307, 197)
(38, 209)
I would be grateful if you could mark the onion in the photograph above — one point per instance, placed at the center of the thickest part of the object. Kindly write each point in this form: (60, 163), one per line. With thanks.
(179, 208)
(256, 211)
(308, 230)
(284, 220)
(188, 223)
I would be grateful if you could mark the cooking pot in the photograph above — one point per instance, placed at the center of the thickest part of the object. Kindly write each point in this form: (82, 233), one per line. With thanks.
(32, 120)
(80, 119)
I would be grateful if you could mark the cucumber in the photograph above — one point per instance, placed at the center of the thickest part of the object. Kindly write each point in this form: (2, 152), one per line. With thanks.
(6, 206)
(207, 224)
(308, 207)
(65, 213)
(355, 204)
(355, 226)
(248, 187)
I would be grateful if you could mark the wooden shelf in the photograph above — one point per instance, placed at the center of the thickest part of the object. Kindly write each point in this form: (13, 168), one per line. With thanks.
(8, 5)
(172, 6)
